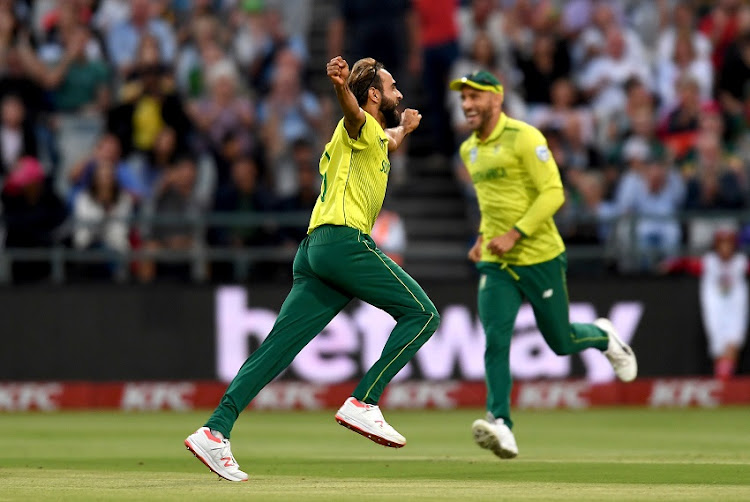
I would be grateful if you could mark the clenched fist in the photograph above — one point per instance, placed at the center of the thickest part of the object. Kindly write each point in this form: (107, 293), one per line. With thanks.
(410, 119)
(338, 70)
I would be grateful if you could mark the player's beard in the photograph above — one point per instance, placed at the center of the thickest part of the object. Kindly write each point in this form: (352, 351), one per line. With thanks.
(485, 116)
(389, 109)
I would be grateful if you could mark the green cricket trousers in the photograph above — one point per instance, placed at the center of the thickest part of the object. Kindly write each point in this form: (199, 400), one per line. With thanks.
(502, 289)
(333, 265)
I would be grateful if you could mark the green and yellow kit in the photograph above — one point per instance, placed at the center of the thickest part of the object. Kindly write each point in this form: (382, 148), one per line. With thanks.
(354, 174)
(336, 262)
(518, 185)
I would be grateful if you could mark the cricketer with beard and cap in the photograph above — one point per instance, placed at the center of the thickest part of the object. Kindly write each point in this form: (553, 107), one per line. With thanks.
(519, 252)
(338, 261)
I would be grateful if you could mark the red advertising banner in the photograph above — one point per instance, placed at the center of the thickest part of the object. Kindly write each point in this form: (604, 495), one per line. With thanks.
(285, 395)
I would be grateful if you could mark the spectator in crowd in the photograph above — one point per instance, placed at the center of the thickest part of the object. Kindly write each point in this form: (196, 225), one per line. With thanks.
(650, 201)
(32, 213)
(284, 179)
(17, 136)
(59, 25)
(175, 209)
(101, 213)
(603, 79)
(577, 220)
(577, 153)
(682, 23)
(107, 152)
(683, 63)
(125, 37)
(245, 195)
(482, 18)
(276, 40)
(720, 25)
(197, 54)
(148, 102)
(15, 80)
(224, 112)
(723, 298)
(438, 39)
(307, 190)
(387, 33)
(680, 127)
(732, 89)
(289, 112)
(78, 83)
(563, 108)
(159, 159)
(548, 62)
(714, 181)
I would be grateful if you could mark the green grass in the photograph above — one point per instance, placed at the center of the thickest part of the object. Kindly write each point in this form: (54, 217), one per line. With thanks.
(605, 454)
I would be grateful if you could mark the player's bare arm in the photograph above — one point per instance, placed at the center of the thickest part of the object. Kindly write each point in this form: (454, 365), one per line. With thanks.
(338, 72)
(503, 243)
(410, 120)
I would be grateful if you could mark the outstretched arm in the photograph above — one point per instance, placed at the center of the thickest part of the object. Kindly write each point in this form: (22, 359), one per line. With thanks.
(354, 117)
(410, 119)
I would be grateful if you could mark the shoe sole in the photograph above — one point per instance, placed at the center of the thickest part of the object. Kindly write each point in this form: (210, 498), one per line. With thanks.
(196, 450)
(612, 332)
(489, 441)
(369, 435)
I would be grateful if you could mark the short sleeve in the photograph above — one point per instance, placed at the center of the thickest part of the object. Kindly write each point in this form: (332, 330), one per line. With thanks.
(367, 134)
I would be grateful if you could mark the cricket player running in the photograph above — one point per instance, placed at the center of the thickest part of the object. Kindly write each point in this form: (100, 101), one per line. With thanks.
(519, 252)
(336, 262)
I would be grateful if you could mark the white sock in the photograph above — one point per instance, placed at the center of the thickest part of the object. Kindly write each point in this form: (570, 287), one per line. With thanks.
(217, 434)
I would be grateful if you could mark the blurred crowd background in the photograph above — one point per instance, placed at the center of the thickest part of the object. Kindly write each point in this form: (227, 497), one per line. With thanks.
(146, 140)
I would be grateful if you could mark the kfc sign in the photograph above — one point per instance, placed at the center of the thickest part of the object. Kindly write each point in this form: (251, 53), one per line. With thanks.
(30, 396)
(158, 396)
(683, 393)
(354, 339)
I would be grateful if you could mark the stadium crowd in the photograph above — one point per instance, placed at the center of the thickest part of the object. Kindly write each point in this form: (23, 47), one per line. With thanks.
(112, 109)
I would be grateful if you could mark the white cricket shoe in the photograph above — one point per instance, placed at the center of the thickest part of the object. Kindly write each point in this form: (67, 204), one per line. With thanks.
(619, 353)
(492, 434)
(215, 453)
(367, 419)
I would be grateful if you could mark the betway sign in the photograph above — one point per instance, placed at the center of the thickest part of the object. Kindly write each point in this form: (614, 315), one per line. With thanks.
(353, 340)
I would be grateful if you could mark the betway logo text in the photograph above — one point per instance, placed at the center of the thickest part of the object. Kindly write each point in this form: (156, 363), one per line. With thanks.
(353, 341)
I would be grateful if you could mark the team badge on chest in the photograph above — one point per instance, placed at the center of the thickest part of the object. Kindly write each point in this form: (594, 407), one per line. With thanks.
(473, 155)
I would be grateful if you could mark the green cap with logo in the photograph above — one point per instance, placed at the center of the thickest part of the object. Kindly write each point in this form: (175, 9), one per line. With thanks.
(481, 80)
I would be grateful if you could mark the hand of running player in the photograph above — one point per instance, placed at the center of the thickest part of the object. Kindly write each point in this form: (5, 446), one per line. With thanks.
(475, 253)
(337, 70)
(503, 243)
(410, 119)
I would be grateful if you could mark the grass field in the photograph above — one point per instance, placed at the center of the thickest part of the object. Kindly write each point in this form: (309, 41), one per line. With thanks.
(603, 455)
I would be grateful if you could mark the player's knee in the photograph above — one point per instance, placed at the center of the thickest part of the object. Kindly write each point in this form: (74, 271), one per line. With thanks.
(561, 347)
(433, 315)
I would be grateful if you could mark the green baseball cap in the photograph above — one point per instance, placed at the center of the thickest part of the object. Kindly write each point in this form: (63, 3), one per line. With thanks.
(481, 80)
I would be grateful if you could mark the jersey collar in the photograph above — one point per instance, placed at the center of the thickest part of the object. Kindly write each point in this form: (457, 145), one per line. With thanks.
(497, 131)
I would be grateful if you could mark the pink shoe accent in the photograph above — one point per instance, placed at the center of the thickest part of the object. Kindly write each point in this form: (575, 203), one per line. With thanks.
(356, 402)
(210, 436)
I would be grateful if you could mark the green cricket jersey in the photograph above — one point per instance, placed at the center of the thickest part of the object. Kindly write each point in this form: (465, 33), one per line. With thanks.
(518, 185)
(355, 176)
